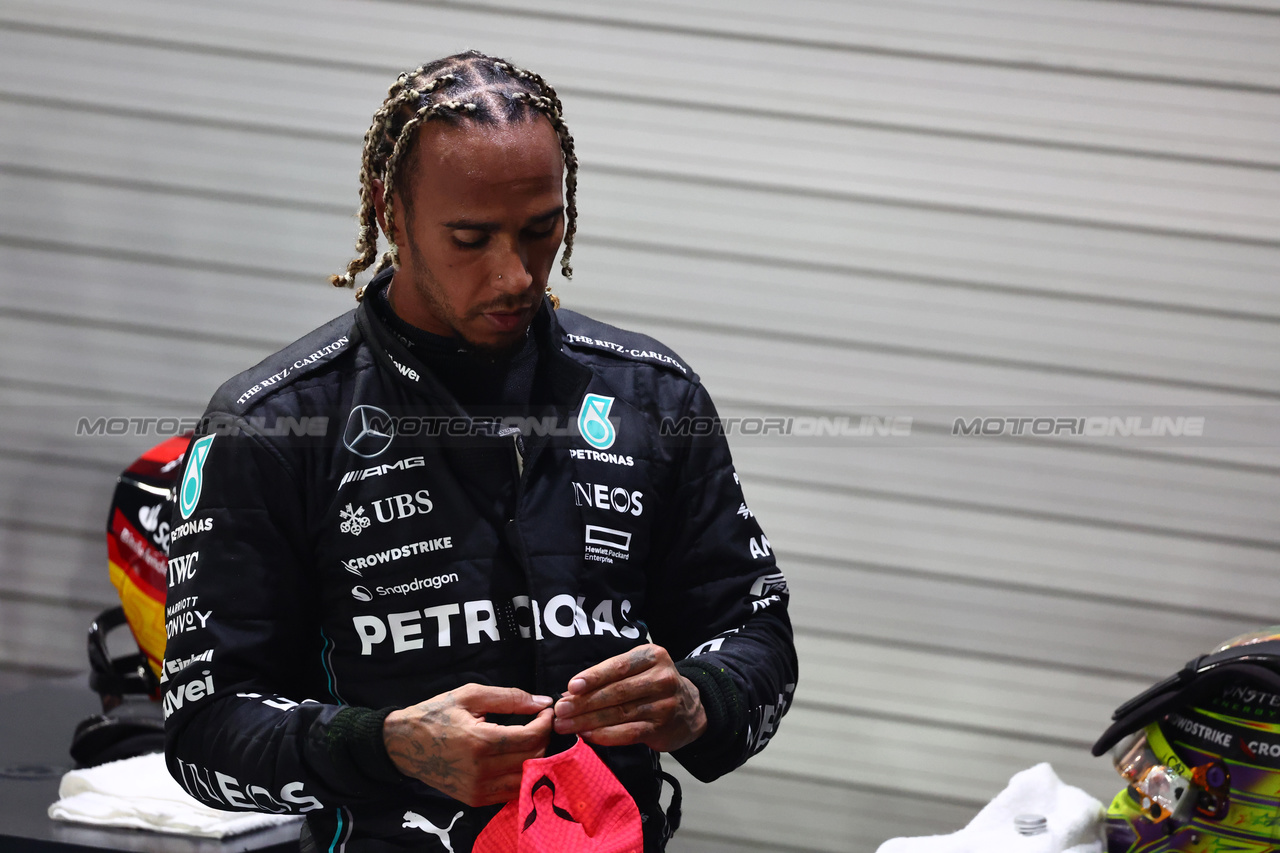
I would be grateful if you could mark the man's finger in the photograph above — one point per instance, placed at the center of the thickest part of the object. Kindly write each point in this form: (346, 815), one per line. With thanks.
(632, 691)
(651, 708)
(623, 735)
(486, 699)
(652, 683)
(493, 766)
(530, 737)
(614, 669)
(501, 790)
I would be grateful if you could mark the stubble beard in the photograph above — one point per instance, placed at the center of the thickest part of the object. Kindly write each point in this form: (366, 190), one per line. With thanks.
(428, 288)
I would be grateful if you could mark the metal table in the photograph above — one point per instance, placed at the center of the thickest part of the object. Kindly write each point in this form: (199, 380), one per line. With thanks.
(35, 731)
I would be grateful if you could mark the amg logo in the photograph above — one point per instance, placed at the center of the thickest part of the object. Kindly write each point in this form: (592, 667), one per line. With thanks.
(379, 470)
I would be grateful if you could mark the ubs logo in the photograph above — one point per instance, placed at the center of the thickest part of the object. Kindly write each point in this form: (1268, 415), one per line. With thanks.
(369, 431)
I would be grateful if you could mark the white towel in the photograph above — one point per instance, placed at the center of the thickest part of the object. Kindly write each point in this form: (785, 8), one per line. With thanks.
(139, 793)
(1074, 821)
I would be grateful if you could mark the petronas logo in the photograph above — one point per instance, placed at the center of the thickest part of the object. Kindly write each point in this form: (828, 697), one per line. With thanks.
(593, 421)
(193, 478)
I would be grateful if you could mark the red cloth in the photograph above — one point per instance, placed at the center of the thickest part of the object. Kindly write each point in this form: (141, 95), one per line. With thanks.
(568, 803)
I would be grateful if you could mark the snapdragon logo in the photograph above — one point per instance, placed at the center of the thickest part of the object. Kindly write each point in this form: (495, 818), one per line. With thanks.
(593, 421)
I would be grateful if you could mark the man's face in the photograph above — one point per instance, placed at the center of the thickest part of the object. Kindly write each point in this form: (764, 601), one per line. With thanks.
(481, 236)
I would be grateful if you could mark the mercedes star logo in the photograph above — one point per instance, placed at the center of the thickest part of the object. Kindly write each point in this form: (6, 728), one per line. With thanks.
(369, 431)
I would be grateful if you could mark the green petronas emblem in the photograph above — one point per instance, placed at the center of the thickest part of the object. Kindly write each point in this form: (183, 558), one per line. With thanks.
(593, 421)
(193, 478)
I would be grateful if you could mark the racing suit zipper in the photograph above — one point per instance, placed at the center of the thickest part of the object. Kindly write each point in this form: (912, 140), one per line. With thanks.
(516, 541)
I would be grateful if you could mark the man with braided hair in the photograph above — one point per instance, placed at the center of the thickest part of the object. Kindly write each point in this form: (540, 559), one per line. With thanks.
(448, 532)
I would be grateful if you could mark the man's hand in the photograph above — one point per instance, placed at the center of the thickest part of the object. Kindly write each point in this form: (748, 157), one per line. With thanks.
(637, 697)
(446, 743)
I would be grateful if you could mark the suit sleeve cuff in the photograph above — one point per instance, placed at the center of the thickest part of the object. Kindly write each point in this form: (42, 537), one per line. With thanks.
(718, 750)
(356, 748)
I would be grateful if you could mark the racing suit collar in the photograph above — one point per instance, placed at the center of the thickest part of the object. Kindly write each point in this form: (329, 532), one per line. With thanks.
(566, 380)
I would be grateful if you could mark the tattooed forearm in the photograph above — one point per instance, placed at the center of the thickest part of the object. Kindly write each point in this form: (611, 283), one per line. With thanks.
(446, 742)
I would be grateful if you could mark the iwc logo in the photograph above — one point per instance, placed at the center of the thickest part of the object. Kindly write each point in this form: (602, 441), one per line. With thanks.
(369, 431)
(593, 421)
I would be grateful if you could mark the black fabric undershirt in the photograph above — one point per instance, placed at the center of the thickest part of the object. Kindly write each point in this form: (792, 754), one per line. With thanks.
(483, 383)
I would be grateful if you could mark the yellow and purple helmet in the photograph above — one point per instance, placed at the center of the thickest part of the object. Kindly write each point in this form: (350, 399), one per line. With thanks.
(1201, 754)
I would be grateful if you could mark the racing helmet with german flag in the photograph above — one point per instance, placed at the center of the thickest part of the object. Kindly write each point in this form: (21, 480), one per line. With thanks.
(138, 533)
(138, 543)
(1201, 754)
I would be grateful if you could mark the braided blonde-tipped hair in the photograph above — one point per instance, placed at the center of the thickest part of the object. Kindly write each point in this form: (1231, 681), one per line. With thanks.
(469, 86)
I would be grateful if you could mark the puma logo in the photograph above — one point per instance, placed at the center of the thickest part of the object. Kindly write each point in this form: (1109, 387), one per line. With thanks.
(417, 821)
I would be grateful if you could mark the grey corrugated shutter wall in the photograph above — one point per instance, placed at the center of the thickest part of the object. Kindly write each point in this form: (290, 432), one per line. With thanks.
(978, 208)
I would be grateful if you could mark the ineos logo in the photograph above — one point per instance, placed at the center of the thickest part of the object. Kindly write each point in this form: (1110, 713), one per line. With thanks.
(602, 497)
(369, 431)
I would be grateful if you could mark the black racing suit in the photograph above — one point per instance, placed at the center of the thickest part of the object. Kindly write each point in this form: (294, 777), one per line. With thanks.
(347, 538)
